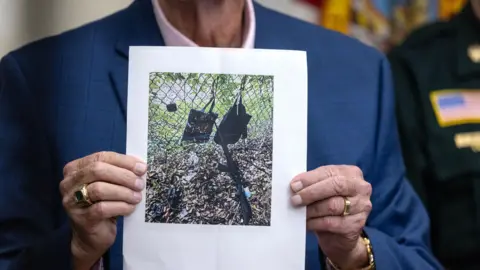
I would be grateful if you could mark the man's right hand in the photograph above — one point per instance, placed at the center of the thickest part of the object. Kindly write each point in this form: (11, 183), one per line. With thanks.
(113, 182)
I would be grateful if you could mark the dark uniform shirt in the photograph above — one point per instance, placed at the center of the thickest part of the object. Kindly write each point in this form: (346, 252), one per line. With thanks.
(437, 79)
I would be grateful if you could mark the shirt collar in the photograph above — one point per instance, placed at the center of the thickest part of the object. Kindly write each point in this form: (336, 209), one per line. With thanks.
(173, 37)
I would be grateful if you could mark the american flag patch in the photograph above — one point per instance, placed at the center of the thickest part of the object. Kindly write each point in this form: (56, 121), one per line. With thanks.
(456, 107)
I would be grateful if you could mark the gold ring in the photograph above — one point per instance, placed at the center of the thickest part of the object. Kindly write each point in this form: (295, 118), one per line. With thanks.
(346, 206)
(81, 196)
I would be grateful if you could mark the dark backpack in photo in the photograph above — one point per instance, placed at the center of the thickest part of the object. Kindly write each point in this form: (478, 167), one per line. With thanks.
(200, 124)
(234, 124)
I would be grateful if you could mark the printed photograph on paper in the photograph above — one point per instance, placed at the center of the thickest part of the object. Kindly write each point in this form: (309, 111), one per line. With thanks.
(210, 149)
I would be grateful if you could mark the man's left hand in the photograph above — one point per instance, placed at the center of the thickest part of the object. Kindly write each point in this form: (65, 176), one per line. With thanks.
(327, 191)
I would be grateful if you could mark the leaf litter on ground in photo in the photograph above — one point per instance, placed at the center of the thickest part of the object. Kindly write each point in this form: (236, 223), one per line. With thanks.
(188, 188)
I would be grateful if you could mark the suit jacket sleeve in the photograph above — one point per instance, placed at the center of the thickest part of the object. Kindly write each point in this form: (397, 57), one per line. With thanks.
(398, 226)
(29, 197)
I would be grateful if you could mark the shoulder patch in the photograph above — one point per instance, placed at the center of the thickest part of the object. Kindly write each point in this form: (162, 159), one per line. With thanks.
(453, 107)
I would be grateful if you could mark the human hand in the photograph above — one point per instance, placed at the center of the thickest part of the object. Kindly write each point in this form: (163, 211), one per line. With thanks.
(113, 185)
(326, 191)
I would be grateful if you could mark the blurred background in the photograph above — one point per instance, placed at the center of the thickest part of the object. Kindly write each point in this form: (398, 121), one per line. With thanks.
(379, 23)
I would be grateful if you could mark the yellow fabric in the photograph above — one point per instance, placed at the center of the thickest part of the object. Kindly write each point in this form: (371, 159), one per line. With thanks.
(447, 8)
(337, 15)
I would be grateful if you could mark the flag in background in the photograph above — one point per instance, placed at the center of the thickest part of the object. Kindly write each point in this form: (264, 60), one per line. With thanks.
(382, 23)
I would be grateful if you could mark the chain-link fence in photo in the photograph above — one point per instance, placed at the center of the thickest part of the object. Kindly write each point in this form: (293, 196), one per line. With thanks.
(210, 149)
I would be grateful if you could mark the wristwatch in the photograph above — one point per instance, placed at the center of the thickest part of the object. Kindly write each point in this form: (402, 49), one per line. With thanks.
(371, 259)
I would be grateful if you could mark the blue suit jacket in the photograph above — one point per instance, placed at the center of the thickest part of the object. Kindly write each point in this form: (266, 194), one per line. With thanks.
(65, 97)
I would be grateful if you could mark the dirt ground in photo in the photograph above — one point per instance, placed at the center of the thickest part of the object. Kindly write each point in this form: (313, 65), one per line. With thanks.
(188, 188)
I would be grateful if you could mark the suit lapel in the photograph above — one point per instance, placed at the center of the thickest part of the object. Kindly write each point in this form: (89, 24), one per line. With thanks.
(269, 35)
(141, 30)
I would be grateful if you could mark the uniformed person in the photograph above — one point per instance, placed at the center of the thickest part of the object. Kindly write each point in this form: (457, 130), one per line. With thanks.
(437, 79)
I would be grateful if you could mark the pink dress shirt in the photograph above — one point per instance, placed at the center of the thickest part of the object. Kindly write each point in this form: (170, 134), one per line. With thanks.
(173, 37)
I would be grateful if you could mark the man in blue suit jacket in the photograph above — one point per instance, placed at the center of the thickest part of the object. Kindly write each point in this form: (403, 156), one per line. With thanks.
(63, 99)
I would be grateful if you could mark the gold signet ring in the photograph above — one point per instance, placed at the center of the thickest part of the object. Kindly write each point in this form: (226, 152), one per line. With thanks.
(81, 196)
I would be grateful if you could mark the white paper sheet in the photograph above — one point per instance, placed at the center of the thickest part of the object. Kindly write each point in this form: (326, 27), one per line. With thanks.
(165, 84)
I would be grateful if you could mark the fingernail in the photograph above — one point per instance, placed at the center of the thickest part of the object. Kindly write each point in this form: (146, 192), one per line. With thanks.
(297, 186)
(296, 200)
(139, 183)
(137, 196)
(140, 168)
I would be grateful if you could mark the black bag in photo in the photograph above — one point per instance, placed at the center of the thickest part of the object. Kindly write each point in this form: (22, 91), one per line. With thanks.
(200, 124)
(234, 124)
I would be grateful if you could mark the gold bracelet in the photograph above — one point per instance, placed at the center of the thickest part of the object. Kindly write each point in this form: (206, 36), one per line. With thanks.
(371, 260)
